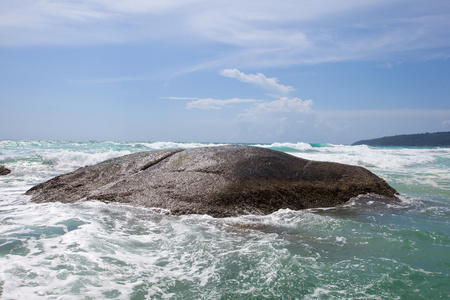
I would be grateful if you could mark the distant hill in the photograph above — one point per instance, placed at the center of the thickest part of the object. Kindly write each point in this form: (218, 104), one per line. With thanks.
(437, 139)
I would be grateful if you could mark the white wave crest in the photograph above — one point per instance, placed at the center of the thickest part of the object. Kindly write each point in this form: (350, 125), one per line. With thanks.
(297, 146)
(170, 145)
(371, 157)
(69, 160)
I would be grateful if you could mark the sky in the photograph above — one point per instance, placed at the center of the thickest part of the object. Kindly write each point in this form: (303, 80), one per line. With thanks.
(315, 71)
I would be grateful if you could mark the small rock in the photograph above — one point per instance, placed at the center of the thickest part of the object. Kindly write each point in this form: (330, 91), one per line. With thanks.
(4, 171)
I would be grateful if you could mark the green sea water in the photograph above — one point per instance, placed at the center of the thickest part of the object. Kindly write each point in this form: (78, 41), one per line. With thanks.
(91, 250)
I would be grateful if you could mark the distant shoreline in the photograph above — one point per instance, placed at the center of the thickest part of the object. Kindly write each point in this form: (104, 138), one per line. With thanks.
(436, 139)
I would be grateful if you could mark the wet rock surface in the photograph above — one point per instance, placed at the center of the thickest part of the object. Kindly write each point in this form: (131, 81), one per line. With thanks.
(4, 171)
(219, 181)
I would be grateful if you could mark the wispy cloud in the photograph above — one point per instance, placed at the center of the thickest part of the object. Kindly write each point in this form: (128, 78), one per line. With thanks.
(269, 34)
(180, 98)
(88, 22)
(282, 105)
(211, 103)
(259, 79)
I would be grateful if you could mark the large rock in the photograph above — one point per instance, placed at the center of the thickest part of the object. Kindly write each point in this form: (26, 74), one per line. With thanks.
(4, 171)
(218, 181)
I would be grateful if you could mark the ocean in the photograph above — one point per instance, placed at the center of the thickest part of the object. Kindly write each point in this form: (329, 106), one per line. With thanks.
(92, 250)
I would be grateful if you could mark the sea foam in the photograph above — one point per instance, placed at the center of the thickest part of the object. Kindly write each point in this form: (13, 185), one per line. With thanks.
(93, 250)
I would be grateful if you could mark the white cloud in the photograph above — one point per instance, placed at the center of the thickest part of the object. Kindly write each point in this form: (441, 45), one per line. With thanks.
(259, 79)
(282, 105)
(269, 34)
(210, 103)
(281, 119)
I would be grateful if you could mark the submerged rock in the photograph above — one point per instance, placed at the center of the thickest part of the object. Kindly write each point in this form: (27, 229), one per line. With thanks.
(219, 181)
(4, 171)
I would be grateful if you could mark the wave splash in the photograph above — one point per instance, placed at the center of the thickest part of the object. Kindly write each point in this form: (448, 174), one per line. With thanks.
(117, 251)
(100, 251)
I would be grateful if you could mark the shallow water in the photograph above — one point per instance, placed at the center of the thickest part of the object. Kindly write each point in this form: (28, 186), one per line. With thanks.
(92, 250)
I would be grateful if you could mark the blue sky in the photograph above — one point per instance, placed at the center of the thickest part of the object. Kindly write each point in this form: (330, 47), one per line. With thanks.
(223, 71)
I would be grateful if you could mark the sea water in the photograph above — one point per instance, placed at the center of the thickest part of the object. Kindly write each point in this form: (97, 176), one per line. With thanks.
(92, 250)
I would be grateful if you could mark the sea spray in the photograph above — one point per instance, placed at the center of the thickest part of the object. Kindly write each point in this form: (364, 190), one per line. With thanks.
(92, 250)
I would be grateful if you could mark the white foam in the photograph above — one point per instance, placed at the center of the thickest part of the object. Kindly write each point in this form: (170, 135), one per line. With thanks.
(91, 249)
(383, 158)
(70, 160)
(297, 146)
(170, 145)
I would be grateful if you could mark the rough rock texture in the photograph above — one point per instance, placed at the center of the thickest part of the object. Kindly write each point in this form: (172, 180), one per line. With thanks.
(218, 181)
(4, 171)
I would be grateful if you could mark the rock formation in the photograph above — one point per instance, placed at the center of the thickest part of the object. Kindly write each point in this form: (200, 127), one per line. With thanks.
(4, 171)
(219, 181)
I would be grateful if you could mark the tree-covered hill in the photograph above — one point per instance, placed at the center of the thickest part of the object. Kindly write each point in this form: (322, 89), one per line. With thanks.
(437, 139)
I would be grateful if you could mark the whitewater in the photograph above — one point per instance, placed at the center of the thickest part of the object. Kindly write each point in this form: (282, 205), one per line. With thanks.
(93, 250)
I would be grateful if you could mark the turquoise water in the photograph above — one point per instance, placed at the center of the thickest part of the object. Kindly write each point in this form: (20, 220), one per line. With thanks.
(92, 250)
